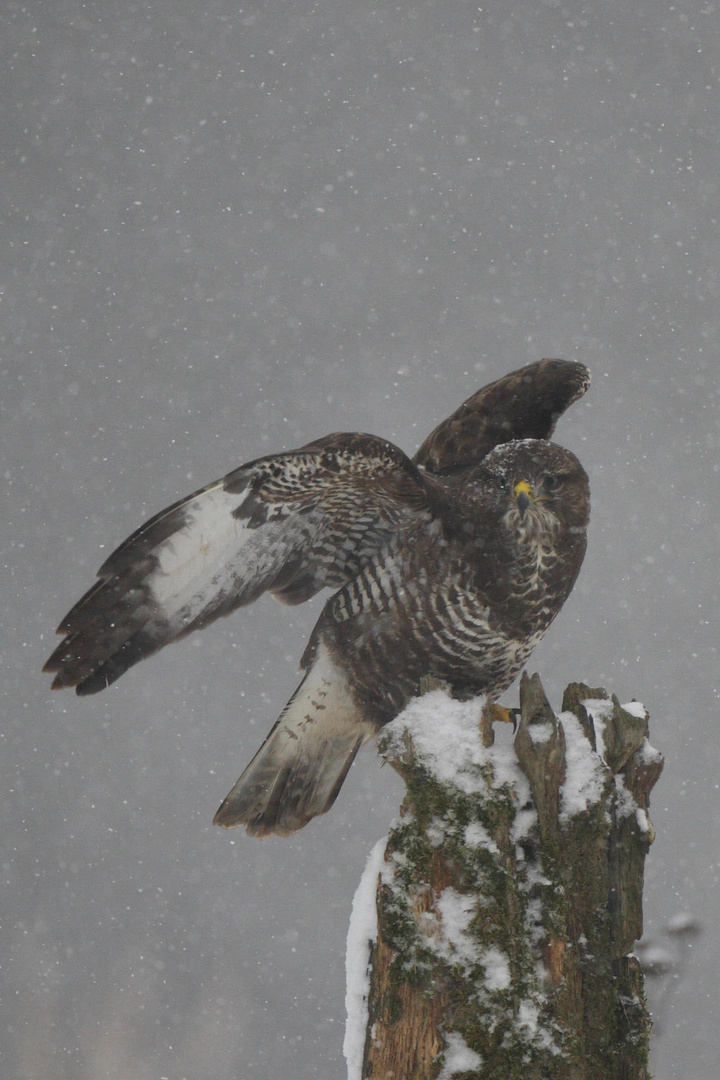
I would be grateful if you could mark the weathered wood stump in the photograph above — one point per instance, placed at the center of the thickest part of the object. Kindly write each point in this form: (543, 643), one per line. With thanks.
(511, 895)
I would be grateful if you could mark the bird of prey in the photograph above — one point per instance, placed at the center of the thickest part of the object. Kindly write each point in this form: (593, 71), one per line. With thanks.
(449, 566)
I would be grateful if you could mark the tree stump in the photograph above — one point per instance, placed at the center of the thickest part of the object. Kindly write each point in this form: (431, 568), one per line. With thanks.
(510, 895)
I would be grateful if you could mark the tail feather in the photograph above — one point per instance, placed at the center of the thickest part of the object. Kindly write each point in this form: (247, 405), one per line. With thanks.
(300, 768)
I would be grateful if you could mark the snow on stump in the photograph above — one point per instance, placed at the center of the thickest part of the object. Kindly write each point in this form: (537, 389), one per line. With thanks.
(509, 897)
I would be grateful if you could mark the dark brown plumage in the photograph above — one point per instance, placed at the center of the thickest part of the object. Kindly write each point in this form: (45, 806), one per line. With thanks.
(524, 404)
(452, 565)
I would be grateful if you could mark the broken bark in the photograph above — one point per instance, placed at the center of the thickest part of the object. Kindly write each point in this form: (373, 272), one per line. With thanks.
(511, 897)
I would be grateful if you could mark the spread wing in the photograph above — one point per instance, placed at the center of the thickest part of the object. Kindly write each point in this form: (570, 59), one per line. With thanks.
(290, 524)
(524, 404)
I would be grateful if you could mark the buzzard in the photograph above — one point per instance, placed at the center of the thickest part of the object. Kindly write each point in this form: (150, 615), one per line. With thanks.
(451, 565)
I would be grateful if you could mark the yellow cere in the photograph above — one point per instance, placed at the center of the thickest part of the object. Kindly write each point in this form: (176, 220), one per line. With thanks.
(522, 487)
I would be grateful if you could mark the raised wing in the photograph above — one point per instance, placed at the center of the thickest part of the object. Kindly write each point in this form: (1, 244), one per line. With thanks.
(524, 404)
(290, 523)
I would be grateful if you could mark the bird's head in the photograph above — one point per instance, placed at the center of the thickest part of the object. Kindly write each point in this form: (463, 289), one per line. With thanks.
(538, 488)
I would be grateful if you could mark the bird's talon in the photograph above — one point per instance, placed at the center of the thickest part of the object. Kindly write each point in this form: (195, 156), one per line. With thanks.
(499, 714)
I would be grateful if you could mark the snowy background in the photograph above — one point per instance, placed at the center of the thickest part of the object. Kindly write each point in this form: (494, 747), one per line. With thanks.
(231, 229)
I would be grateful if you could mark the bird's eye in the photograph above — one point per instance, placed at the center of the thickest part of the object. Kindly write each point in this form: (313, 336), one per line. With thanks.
(497, 482)
(551, 482)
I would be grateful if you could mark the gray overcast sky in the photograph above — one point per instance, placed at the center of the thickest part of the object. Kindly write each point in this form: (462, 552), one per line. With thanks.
(229, 229)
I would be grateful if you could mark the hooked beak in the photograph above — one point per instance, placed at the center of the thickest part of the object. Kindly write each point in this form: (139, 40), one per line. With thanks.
(523, 496)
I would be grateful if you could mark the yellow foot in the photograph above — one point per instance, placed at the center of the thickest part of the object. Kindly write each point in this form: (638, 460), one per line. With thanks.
(493, 713)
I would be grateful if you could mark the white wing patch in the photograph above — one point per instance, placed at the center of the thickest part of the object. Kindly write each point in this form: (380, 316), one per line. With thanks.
(193, 552)
(216, 560)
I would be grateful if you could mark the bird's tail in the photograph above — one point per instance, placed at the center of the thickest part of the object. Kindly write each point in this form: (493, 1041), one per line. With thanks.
(299, 769)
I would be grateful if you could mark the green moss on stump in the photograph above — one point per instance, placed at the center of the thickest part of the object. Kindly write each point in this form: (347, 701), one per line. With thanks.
(508, 907)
